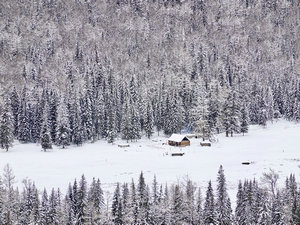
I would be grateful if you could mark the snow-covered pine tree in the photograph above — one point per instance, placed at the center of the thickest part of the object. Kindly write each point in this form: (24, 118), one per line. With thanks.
(6, 127)
(190, 209)
(135, 126)
(214, 107)
(264, 213)
(174, 117)
(117, 206)
(126, 121)
(82, 201)
(10, 201)
(46, 142)
(209, 211)
(134, 206)
(53, 114)
(240, 215)
(2, 203)
(24, 130)
(44, 210)
(126, 203)
(244, 119)
(148, 126)
(269, 104)
(111, 122)
(63, 129)
(199, 209)
(223, 208)
(277, 209)
(54, 208)
(74, 202)
(15, 107)
(177, 206)
(95, 196)
(231, 113)
(77, 127)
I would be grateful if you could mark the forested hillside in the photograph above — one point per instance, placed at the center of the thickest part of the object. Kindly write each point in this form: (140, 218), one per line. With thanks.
(80, 70)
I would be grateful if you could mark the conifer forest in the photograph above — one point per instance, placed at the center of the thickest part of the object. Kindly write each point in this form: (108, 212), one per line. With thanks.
(141, 203)
(74, 72)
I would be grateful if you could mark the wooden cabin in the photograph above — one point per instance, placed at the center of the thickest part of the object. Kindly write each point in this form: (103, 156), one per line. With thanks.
(179, 140)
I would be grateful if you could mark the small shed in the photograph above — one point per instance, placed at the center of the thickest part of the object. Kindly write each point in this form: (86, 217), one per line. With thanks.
(178, 140)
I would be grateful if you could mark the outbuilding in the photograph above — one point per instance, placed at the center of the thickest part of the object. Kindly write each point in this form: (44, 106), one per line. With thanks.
(178, 140)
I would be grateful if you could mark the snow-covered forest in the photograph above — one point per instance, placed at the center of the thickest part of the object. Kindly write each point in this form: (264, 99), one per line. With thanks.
(83, 70)
(139, 203)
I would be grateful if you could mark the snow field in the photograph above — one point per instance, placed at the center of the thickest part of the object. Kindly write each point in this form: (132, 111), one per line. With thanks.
(275, 147)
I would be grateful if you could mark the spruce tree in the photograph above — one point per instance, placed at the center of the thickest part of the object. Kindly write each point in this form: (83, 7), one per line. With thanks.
(149, 120)
(44, 211)
(82, 201)
(209, 211)
(6, 128)
(231, 114)
(244, 119)
(45, 136)
(117, 206)
(240, 215)
(223, 207)
(177, 206)
(126, 122)
(24, 126)
(15, 107)
(63, 133)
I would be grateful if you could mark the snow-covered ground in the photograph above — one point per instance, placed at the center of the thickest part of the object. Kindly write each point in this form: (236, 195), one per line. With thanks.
(275, 147)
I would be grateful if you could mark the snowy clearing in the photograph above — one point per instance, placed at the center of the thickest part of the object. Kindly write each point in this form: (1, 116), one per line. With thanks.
(276, 146)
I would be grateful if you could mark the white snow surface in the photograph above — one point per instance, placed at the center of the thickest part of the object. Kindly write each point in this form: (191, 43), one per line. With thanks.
(275, 147)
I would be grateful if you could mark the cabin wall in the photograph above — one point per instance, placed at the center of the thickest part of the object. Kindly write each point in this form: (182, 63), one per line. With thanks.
(184, 143)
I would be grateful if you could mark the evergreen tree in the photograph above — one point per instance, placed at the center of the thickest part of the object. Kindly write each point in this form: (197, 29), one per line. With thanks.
(6, 128)
(15, 107)
(244, 119)
(240, 215)
(190, 209)
(44, 209)
(117, 206)
(54, 208)
(209, 211)
(126, 122)
(53, 115)
(24, 130)
(149, 120)
(45, 136)
(135, 126)
(177, 206)
(199, 209)
(63, 130)
(223, 207)
(81, 201)
(231, 114)
(95, 196)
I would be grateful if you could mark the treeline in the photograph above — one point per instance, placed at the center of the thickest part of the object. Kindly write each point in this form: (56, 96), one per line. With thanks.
(106, 108)
(142, 203)
(78, 71)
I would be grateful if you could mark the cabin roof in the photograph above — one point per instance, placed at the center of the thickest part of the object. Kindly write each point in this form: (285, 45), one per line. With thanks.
(178, 138)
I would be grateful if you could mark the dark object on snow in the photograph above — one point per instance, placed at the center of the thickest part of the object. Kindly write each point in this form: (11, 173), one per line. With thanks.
(123, 146)
(177, 154)
(246, 163)
(205, 143)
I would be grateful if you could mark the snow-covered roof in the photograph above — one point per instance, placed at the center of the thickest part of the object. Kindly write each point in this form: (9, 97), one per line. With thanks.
(177, 137)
